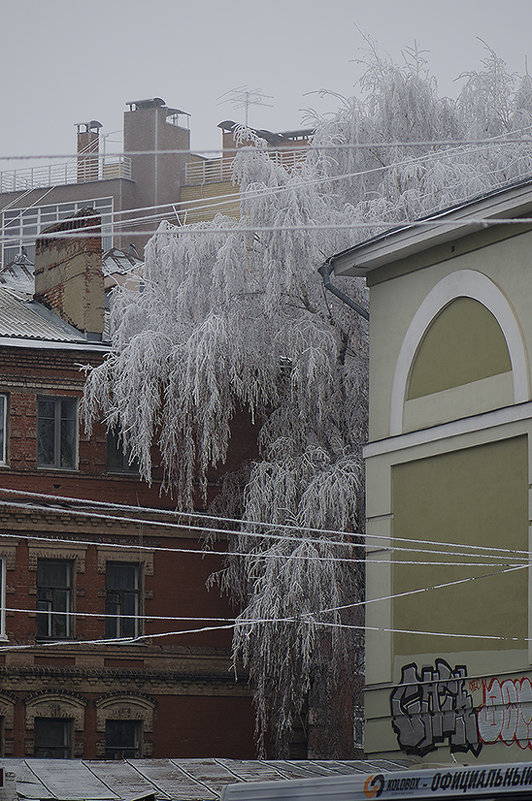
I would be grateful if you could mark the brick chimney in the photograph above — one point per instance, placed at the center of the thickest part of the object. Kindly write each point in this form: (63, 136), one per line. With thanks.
(68, 272)
(88, 148)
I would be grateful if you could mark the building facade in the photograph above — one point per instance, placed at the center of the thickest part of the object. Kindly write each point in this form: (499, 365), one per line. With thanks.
(124, 189)
(208, 188)
(80, 582)
(449, 639)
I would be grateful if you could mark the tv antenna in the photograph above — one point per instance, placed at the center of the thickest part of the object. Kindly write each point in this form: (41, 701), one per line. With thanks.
(243, 97)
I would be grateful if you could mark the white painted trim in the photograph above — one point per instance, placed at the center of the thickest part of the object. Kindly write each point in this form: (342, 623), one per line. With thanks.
(467, 425)
(468, 284)
(15, 342)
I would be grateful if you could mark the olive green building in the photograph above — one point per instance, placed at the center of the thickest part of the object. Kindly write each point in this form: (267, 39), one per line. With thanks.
(449, 472)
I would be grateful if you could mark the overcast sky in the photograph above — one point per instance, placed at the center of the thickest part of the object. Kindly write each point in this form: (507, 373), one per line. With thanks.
(68, 61)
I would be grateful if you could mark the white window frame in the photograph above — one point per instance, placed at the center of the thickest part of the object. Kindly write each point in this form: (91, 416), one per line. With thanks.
(15, 220)
(57, 433)
(3, 427)
(117, 624)
(3, 635)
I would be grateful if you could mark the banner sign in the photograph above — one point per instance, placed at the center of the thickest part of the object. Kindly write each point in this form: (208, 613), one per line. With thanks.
(472, 781)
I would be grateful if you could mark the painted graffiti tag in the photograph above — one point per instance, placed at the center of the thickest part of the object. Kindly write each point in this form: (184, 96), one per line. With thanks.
(506, 712)
(432, 705)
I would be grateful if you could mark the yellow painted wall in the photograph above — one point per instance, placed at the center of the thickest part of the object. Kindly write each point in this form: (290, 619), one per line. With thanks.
(463, 344)
(475, 496)
(193, 211)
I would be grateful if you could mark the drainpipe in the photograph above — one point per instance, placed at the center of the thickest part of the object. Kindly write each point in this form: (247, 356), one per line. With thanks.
(325, 271)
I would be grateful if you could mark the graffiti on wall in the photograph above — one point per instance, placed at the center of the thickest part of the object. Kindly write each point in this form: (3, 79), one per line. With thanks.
(505, 714)
(431, 706)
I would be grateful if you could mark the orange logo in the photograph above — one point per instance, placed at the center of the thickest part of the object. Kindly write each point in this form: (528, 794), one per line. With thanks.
(373, 786)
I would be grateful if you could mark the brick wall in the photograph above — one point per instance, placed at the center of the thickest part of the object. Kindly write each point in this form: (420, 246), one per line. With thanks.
(180, 688)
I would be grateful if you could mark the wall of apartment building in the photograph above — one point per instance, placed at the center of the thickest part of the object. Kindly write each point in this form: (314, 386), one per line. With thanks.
(157, 177)
(121, 190)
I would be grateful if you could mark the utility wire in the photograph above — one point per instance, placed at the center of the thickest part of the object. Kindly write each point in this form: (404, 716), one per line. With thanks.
(241, 619)
(392, 540)
(397, 143)
(388, 226)
(255, 556)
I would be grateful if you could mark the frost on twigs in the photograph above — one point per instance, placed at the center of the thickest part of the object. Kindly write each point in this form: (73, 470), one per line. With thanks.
(233, 316)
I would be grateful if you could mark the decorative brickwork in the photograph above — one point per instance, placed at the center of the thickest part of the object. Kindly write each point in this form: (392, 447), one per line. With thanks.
(56, 705)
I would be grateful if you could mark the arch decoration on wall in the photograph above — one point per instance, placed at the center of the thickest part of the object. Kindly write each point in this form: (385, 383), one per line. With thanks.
(467, 284)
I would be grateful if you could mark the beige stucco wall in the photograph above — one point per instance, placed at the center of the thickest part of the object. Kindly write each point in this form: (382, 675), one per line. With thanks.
(458, 469)
(393, 304)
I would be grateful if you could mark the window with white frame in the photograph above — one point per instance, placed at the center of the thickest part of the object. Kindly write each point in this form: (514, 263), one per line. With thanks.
(2, 598)
(54, 598)
(57, 432)
(3, 429)
(122, 599)
(20, 227)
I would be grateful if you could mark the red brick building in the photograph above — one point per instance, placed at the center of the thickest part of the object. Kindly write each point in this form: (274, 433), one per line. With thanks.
(161, 696)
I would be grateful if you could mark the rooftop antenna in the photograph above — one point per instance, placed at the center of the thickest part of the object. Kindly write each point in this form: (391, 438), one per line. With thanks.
(243, 97)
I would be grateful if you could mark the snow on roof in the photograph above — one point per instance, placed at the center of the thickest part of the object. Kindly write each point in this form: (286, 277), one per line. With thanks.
(23, 318)
(116, 264)
(166, 779)
(509, 201)
(18, 274)
(118, 261)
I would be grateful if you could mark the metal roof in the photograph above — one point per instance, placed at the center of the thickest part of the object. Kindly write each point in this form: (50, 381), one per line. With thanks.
(24, 319)
(511, 200)
(166, 779)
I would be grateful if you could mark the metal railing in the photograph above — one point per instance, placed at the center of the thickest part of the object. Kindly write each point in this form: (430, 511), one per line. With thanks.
(77, 171)
(212, 170)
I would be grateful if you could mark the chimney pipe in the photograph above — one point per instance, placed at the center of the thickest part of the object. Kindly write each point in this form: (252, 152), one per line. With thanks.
(88, 142)
(68, 272)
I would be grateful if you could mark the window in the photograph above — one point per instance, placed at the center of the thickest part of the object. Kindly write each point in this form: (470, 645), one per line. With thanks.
(57, 432)
(2, 598)
(52, 738)
(122, 739)
(54, 596)
(122, 599)
(3, 429)
(21, 226)
(116, 458)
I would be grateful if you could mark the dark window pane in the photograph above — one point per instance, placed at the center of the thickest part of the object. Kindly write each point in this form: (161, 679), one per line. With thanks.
(57, 430)
(54, 592)
(117, 459)
(52, 738)
(3, 425)
(122, 599)
(68, 443)
(122, 739)
(46, 408)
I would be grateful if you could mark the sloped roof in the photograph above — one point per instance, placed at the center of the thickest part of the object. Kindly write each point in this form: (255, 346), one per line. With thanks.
(166, 779)
(22, 318)
(510, 201)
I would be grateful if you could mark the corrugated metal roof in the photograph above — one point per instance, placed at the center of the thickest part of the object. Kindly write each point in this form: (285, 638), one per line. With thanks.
(167, 779)
(21, 316)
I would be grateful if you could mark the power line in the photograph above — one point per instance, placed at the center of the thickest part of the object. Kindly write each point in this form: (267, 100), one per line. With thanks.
(396, 143)
(240, 619)
(391, 226)
(483, 550)
(254, 555)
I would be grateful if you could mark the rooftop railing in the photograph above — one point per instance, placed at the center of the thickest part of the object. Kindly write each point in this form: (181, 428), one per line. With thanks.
(77, 171)
(212, 170)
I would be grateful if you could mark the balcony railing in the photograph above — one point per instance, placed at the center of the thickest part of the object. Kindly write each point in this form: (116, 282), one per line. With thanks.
(77, 171)
(212, 170)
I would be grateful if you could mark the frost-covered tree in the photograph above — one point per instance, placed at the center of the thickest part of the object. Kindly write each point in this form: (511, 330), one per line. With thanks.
(233, 318)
